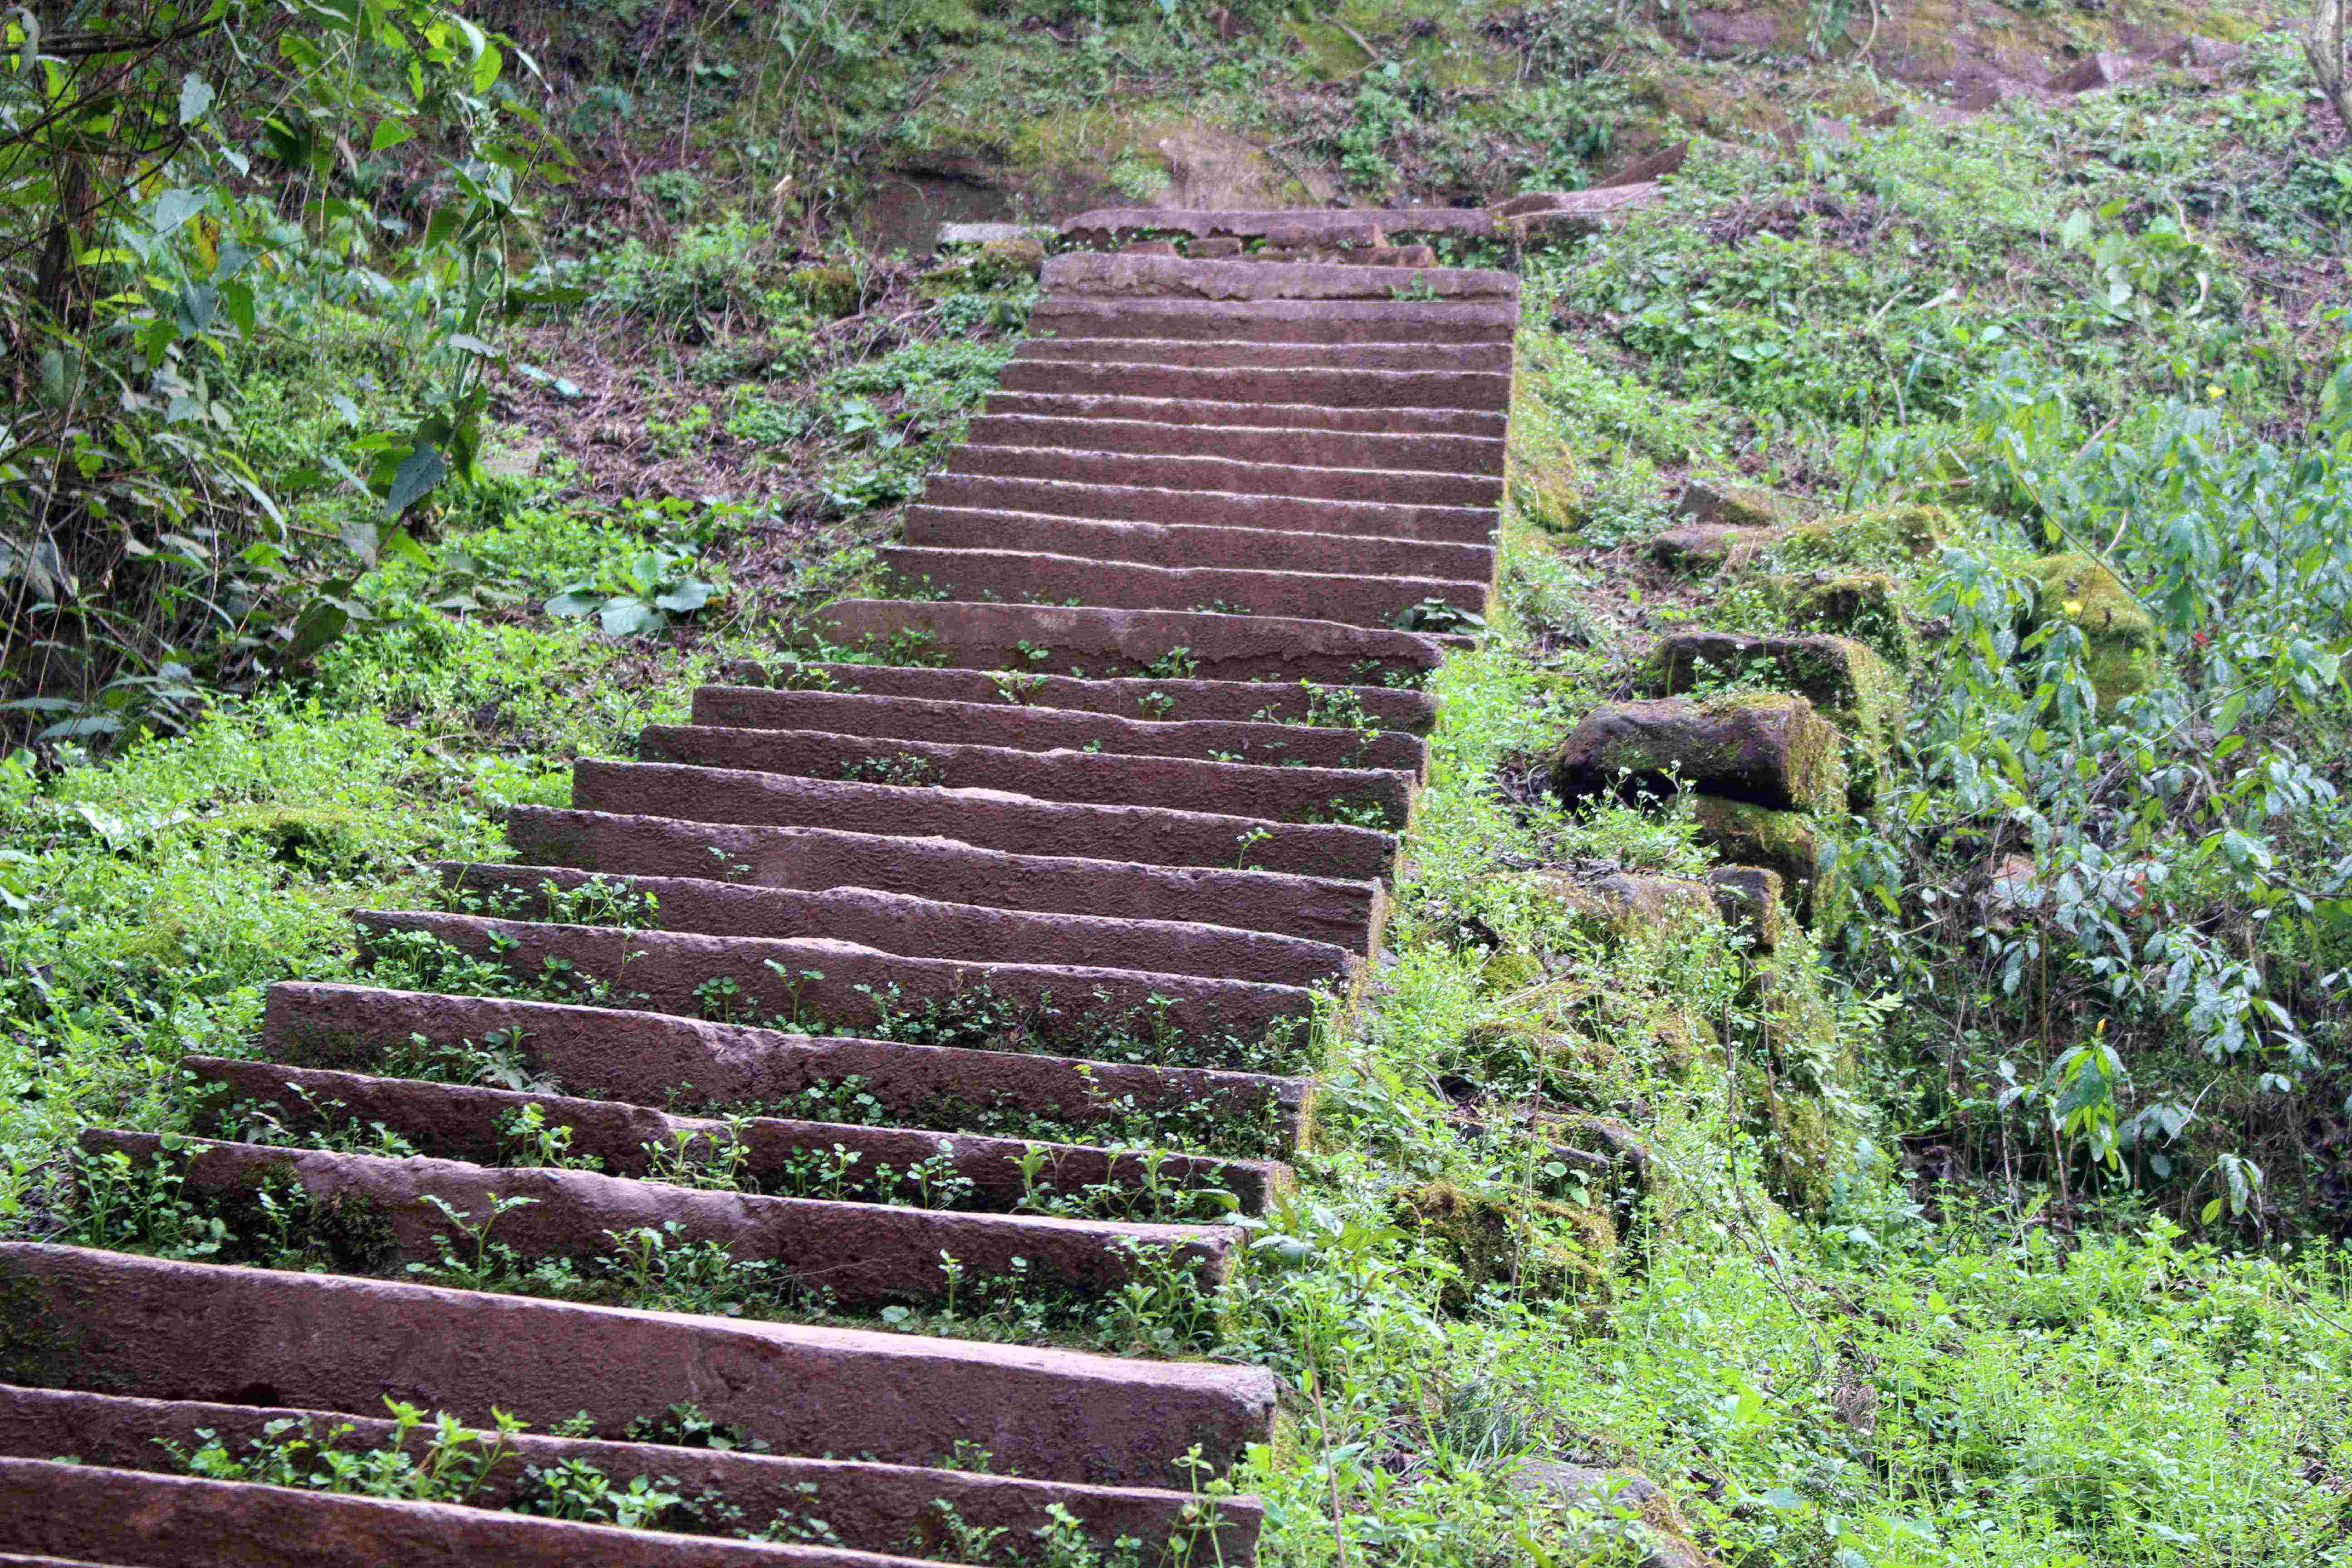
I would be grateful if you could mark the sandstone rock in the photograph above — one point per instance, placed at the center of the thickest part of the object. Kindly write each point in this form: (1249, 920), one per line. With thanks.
(1845, 680)
(1325, 236)
(1648, 171)
(1751, 897)
(1728, 503)
(1866, 606)
(2124, 654)
(1216, 247)
(1621, 904)
(1783, 842)
(1875, 536)
(1394, 256)
(1149, 248)
(826, 290)
(987, 232)
(1702, 547)
(1632, 1507)
(1771, 749)
(2090, 73)
(2201, 54)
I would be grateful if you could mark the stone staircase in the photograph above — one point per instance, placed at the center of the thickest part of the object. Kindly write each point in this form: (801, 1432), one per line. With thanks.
(1087, 862)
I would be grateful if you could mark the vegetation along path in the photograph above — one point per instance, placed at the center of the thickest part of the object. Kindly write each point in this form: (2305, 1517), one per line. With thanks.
(1127, 796)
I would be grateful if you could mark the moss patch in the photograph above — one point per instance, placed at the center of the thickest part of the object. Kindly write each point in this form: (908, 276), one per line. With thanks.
(2122, 656)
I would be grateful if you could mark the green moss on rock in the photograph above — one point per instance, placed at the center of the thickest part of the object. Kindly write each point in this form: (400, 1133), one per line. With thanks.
(2124, 657)
(1548, 1250)
(1785, 842)
(1865, 606)
(826, 290)
(1878, 536)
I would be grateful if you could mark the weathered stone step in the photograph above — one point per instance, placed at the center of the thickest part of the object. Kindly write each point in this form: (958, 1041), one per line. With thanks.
(1403, 392)
(870, 1507)
(1139, 346)
(685, 1064)
(1134, 408)
(1346, 912)
(916, 928)
(1264, 793)
(474, 1124)
(1103, 226)
(1034, 723)
(1213, 509)
(987, 819)
(1159, 544)
(1281, 320)
(376, 1215)
(833, 987)
(136, 1519)
(968, 574)
(1245, 443)
(1175, 278)
(1227, 476)
(1295, 705)
(153, 1329)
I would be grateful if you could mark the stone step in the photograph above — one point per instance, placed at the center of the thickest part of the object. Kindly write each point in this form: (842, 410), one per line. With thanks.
(155, 1329)
(688, 1065)
(1139, 345)
(1032, 724)
(1227, 476)
(987, 819)
(1213, 509)
(1281, 320)
(87, 1513)
(1008, 575)
(1157, 544)
(1245, 443)
(473, 1124)
(1346, 912)
(1263, 793)
(854, 1257)
(1296, 705)
(1400, 393)
(833, 987)
(870, 1507)
(1175, 278)
(1137, 407)
(895, 923)
(1093, 641)
(1106, 225)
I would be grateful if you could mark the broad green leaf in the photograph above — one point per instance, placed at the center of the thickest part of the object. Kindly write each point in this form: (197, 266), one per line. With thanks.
(627, 616)
(418, 472)
(390, 133)
(195, 98)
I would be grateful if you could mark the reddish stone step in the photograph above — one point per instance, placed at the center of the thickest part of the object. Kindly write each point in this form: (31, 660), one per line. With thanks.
(1296, 705)
(1103, 226)
(1031, 723)
(1245, 443)
(1213, 509)
(1227, 476)
(1400, 392)
(833, 987)
(869, 1506)
(145, 1327)
(377, 1216)
(1070, 404)
(918, 928)
(1173, 277)
(1140, 347)
(967, 574)
(1346, 912)
(652, 1059)
(1157, 544)
(473, 1124)
(1267, 793)
(137, 1520)
(1059, 639)
(1281, 320)
(985, 818)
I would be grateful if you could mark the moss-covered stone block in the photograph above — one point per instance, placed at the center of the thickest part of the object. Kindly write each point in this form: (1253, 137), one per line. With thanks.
(1784, 842)
(1845, 680)
(824, 290)
(1726, 503)
(1548, 1250)
(1508, 970)
(1865, 606)
(1771, 748)
(1753, 899)
(1613, 908)
(2124, 654)
(1877, 536)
